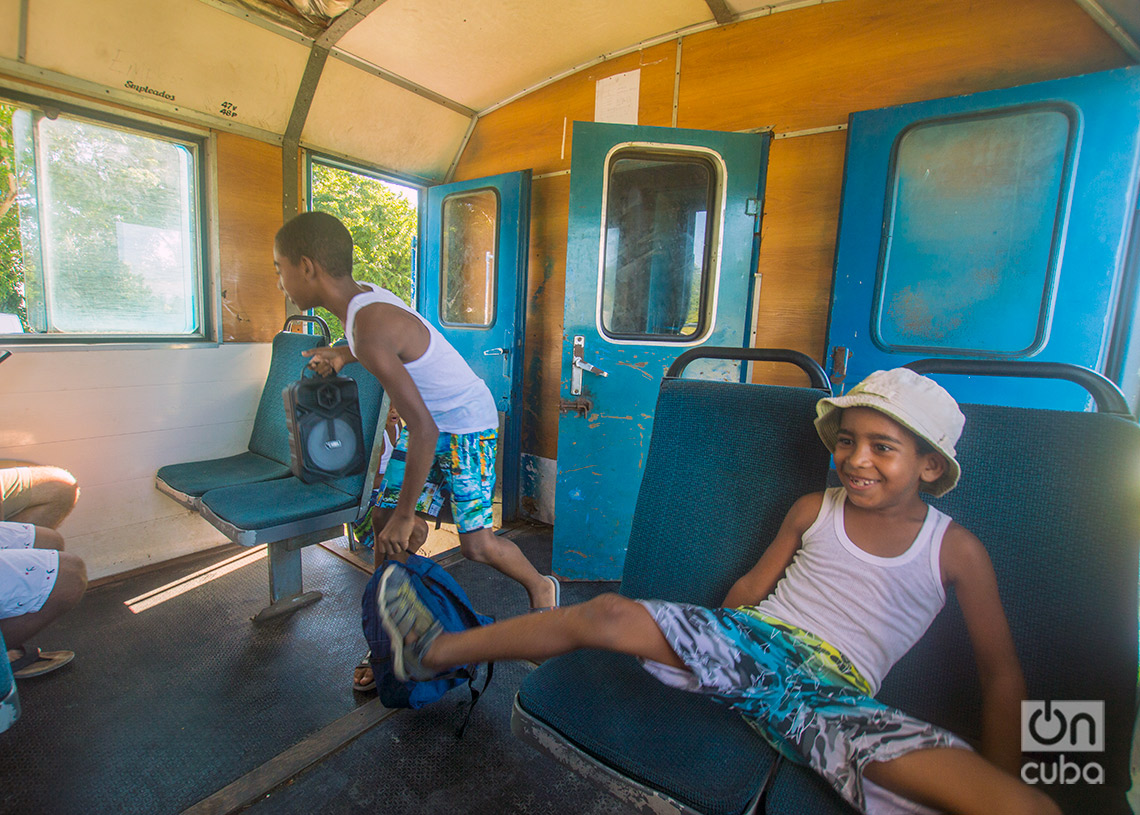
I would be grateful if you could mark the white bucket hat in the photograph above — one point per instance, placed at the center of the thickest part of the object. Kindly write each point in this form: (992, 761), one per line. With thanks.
(919, 404)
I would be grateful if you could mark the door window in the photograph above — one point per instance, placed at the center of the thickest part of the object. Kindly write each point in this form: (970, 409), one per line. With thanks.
(972, 233)
(468, 267)
(658, 241)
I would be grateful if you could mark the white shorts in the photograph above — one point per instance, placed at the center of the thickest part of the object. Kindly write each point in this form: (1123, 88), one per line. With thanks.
(27, 575)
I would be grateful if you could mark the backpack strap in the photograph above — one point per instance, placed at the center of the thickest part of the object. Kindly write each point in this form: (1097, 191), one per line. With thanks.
(475, 694)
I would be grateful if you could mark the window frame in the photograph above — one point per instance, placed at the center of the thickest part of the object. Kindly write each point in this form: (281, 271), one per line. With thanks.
(714, 232)
(200, 143)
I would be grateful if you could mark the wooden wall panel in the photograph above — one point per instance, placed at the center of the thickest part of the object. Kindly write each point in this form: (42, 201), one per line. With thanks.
(813, 66)
(529, 133)
(791, 71)
(249, 215)
(546, 289)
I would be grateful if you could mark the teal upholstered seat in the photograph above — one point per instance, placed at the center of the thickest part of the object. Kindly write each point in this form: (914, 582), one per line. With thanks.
(267, 456)
(725, 463)
(9, 696)
(288, 514)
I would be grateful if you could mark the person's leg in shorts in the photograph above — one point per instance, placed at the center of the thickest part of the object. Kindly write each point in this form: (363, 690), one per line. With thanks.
(463, 472)
(39, 582)
(470, 480)
(36, 494)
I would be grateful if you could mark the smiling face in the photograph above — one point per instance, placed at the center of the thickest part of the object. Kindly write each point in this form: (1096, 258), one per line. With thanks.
(879, 461)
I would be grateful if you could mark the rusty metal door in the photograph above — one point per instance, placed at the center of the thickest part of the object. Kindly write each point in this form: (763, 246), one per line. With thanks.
(661, 257)
(991, 226)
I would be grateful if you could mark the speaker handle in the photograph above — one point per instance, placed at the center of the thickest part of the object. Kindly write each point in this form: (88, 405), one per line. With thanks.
(310, 318)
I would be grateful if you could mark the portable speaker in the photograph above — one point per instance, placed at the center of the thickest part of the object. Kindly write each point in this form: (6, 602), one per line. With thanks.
(326, 439)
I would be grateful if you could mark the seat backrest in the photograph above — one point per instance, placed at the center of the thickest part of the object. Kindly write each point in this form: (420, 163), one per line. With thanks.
(270, 436)
(370, 394)
(1055, 498)
(725, 463)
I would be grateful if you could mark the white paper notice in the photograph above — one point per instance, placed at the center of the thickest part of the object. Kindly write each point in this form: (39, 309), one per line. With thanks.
(616, 98)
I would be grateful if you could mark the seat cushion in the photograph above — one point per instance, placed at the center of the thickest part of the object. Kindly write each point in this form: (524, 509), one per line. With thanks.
(685, 745)
(272, 503)
(196, 478)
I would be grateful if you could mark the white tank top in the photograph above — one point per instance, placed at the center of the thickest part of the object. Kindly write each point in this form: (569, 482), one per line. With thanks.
(873, 609)
(458, 400)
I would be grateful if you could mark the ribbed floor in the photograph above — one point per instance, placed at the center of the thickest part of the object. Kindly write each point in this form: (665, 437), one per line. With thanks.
(163, 707)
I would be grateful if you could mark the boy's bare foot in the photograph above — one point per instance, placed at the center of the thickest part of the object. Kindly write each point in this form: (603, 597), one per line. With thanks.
(363, 680)
(549, 597)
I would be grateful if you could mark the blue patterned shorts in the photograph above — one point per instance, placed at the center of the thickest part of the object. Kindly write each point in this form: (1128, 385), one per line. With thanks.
(798, 692)
(463, 470)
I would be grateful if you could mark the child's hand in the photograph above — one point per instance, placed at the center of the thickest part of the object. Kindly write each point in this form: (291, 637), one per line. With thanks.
(326, 361)
(396, 535)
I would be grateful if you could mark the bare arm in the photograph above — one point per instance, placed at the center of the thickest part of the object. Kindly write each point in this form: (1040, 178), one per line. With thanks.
(966, 566)
(328, 360)
(382, 334)
(762, 578)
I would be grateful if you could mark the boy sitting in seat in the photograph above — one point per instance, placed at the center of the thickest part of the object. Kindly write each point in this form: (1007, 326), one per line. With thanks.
(451, 421)
(852, 580)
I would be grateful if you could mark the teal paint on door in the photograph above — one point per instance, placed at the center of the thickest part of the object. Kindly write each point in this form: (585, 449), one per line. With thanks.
(661, 257)
(472, 288)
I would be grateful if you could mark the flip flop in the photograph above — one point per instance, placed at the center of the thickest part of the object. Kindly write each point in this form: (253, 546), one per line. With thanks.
(37, 663)
(557, 596)
(365, 686)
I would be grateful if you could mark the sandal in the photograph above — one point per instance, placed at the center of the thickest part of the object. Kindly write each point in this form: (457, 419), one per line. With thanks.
(402, 614)
(364, 687)
(37, 663)
(557, 596)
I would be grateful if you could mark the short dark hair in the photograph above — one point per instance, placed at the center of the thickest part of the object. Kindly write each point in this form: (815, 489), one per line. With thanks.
(320, 237)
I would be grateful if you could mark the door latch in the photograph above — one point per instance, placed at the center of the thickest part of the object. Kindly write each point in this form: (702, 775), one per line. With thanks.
(580, 365)
(840, 356)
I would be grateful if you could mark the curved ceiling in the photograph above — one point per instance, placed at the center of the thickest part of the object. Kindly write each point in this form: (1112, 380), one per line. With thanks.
(396, 83)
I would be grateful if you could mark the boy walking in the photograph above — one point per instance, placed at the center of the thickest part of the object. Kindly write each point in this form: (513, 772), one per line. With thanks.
(449, 441)
(851, 581)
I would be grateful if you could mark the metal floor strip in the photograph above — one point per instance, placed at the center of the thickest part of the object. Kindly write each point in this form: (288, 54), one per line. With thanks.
(281, 768)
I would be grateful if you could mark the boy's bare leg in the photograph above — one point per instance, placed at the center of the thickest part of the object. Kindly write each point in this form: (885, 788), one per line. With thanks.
(960, 781)
(44, 495)
(484, 546)
(609, 622)
(70, 584)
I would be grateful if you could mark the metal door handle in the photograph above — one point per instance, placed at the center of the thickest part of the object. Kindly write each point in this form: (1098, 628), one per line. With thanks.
(586, 366)
(496, 352)
(580, 365)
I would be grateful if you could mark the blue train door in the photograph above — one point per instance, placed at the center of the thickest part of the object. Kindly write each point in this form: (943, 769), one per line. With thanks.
(993, 225)
(472, 287)
(661, 256)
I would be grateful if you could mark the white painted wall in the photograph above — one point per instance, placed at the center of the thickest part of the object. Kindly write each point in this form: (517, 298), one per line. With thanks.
(114, 416)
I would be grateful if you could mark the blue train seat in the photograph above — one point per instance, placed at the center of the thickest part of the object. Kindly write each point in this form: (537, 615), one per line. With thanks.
(725, 463)
(267, 456)
(1055, 498)
(9, 696)
(288, 514)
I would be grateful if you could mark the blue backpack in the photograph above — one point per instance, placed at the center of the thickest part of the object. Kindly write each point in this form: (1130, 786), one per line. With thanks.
(439, 592)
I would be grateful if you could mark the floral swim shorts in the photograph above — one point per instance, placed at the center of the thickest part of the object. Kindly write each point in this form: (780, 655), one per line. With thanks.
(798, 692)
(463, 471)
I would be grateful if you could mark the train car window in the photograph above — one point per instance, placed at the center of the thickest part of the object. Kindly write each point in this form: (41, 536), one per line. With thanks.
(978, 201)
(381, 212)
(101, 229)
(656, 275)
(469, 265)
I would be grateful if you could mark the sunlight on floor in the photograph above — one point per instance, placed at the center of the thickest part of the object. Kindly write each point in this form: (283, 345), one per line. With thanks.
(193, 581)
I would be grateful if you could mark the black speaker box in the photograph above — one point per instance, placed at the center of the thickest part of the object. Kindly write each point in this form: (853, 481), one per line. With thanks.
(326, 439)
